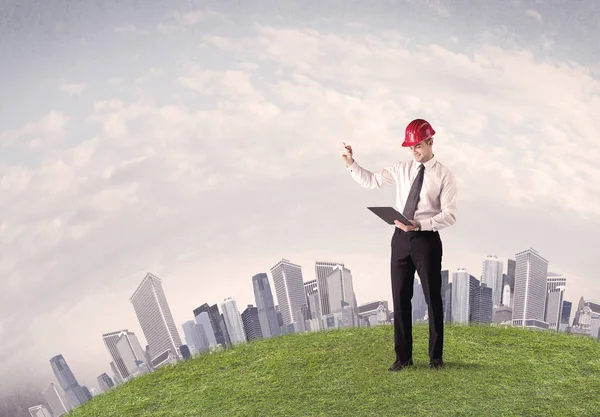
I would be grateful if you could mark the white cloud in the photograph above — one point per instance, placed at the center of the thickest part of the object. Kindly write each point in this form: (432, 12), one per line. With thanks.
(534, 14)
(74, 89)
(176, 20)
(49, 130)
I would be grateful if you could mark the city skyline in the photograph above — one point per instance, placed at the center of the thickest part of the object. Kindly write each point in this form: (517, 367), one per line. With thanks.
(189, 141)
(229, 309)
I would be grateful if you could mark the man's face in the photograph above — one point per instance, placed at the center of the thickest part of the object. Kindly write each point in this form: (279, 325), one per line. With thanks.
(422, 150)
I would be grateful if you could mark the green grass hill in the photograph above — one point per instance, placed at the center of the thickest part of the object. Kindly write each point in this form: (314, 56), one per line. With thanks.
(490, 371)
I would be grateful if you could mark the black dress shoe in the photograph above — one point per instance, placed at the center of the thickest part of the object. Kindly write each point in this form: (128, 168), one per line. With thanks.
(399, 365)
(436, 363)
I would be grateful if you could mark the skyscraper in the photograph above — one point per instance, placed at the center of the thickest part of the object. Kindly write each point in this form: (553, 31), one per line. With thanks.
(154, 315)
(491, 276)
(341, 290)
(265, 306)
(251, 323)
(482, 305)
(56, 399)
(555, 280)
(105, 382)
(133, 345)
(233, 321)
(215, 323)
(289, 287)
(531, 276)
(322, 270)
(67, 381)
(464, 286)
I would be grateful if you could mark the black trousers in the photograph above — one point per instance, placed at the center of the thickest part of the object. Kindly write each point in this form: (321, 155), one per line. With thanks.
(421, 252)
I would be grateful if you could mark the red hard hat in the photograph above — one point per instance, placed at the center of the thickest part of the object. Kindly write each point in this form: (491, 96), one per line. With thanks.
(417, 131)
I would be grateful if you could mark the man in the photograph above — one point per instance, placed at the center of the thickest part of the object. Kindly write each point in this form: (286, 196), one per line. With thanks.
(426, 192)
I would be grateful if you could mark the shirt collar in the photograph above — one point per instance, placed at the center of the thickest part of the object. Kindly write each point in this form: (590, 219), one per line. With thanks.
(428, 165)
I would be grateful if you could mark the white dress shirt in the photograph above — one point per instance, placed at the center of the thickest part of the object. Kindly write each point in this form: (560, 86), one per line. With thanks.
(437, 206)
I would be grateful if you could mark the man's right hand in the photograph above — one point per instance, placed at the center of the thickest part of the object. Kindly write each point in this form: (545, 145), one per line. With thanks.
(346, 152)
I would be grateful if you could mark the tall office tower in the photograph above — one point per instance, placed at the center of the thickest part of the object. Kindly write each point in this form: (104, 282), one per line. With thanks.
(464, 286)
(445, 281)
(226, 334)
(116, 373)
(491, 276)
(233, 321)
(39, 411)
(341, 290)
(531, 275)
(215, 323)
(511, 267)
(289, 287)
(252, 323)
(154, 315)
(322, 270)
(188, 330)
(482, 305)
(419, 304)
(314, 303)
(67, 381)
(566, 313)
(554, 304)
(105, 383)
(448, 304)
(555, 280)
(204, 331)
(506, 291)
(56, 399)
(110, 341)
(265, 305)
(311, 288)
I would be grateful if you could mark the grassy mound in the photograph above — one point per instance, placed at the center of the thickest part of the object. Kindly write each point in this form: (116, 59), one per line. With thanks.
(489, 371)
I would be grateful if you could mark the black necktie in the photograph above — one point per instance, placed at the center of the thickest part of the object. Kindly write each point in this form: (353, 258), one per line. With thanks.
(413, 197)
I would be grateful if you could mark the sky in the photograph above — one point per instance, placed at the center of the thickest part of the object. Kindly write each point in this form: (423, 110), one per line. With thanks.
(200, 141)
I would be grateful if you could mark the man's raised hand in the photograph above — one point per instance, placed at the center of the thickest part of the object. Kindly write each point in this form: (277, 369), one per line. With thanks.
(346, 153)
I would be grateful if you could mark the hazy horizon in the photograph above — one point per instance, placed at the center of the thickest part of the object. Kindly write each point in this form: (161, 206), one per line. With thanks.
(199, 141)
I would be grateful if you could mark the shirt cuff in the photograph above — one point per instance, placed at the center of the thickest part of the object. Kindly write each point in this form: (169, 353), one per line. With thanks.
(426, 225)
(352, 167)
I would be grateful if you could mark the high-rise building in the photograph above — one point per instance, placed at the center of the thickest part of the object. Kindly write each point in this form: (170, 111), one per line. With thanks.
(215, 323)
(155, 318)
(482, 305)
(56, 399)
(419, 304)
(203, 333)
(289, 287)
(251, 322)
(491, 276)
(464, 286)
(445, 281)
(130, 344)
(506, 291)
(233, 321)
(67, 381)
(105, 382)
(448, 304)
(566, 313)
(39, 411)
(555, 280)
(511, 267)
(531, 276)
(322, 270)
(554, 304)
(265, 306)
(341, 290)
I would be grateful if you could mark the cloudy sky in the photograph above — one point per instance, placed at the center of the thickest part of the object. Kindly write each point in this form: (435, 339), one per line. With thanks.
(200, 141)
